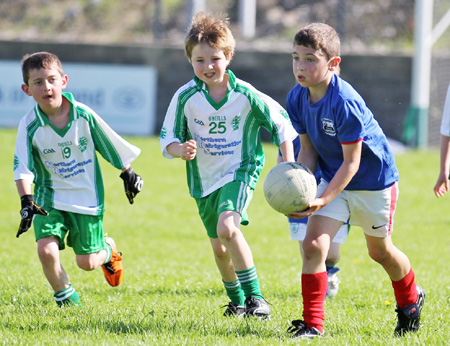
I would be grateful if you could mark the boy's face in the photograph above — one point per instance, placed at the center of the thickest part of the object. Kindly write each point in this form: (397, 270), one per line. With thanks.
(311, 67)
(45, 86)
(209, 64)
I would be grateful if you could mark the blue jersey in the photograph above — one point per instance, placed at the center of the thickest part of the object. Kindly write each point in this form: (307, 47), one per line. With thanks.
(342, 117)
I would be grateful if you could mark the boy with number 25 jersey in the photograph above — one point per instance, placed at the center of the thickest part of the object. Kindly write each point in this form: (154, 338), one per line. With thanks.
(227, 135)
(213, 123)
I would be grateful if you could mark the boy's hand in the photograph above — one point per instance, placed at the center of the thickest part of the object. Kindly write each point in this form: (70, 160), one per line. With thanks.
(132, 183)
(29, 208)
(189, 150)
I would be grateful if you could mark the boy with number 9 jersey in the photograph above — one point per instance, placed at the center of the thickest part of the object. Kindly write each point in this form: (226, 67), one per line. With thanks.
(213, 123)
(56, 149)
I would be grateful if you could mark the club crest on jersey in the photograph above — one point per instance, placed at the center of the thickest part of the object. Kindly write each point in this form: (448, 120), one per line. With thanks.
(328, 127)
(235, 122)
(82, 143)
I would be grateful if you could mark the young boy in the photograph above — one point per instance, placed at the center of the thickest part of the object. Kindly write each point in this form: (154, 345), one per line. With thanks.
(297, 230)
(55, 150)
(442, 183)
(213, 123)
(358, 178)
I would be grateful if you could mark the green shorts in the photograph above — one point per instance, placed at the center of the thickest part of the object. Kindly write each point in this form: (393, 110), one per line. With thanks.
(84, 232)
(234, 196)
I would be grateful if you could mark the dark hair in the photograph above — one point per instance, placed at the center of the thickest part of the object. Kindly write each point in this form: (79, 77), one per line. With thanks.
(40, 60)
(319, 36)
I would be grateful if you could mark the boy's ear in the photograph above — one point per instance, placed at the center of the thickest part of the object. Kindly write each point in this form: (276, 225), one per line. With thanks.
(334, 63)
(25, 89)
(65, 79)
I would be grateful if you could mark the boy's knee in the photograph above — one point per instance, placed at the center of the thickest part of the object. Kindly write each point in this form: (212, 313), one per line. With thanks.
(86, 262)
(48, 247)
(45, 252)
(312, 249)
(225, 233)
(331, 261)
(378, 256)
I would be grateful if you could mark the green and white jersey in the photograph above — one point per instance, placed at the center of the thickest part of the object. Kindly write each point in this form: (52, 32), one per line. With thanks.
(63, 163)
(227, 133)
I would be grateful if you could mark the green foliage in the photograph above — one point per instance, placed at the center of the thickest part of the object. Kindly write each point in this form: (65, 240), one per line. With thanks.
(172, 293)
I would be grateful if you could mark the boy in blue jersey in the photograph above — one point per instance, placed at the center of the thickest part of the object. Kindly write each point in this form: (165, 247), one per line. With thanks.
(56, 148)
(213, 123)
(297, 230)
(358, 178)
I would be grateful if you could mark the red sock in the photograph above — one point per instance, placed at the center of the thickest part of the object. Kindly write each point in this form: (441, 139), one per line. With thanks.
(405, 290)
(314, 290)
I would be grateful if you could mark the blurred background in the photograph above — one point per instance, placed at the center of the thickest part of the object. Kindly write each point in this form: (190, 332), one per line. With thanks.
(377, 41)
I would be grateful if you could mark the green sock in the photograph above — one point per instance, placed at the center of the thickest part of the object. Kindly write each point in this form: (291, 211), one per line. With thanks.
(108, 253)
(249, 282)
(235, 292)
(67, 296)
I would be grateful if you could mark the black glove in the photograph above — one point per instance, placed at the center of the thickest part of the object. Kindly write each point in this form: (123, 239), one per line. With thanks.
(29, 208)
(132, 183)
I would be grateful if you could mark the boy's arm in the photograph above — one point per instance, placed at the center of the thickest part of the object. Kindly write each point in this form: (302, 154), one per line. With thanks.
(113, 147)
(287, 151)
(186, 151)
(279, 126)
(119, 153)
(23, 187)
(279, 158)
(29, 208)
(308, 154)
(345, 173)
(23, 177)
(442, 184)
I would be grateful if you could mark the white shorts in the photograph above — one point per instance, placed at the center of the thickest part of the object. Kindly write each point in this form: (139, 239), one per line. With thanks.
(373, 211)
(298, 232)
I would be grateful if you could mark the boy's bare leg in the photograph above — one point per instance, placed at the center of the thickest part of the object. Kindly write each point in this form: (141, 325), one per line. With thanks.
(48, 251)
(232, 238)
(223, 260)
(383, 251)
(91, 261)
(333, 256)
(317, 242)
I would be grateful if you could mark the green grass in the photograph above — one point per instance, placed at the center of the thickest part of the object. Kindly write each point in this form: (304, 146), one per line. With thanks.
(172, 292)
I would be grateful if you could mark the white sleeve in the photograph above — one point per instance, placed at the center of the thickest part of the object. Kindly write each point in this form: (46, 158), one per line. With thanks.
(280, 118)
(112, 146)
(22, 154)
(445, 123)
(167, 135)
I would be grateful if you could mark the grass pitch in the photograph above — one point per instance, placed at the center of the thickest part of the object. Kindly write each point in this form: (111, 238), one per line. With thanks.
(172, 293)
